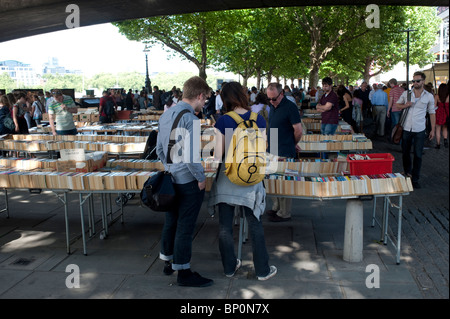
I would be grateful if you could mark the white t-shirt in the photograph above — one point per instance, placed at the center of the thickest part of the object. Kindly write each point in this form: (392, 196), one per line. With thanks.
(219, 103)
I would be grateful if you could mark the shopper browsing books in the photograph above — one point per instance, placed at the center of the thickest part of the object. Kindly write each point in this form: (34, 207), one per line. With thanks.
(227, 196)
(284, 122)
(61, 110)
(189, 181)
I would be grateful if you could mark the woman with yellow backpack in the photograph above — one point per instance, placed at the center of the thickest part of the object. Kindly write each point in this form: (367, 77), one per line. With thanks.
(240, 189)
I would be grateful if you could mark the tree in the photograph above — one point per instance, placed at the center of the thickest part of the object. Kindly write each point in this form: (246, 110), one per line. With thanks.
(6, 82)
(190, 35)
(382, 48)
(327, 28)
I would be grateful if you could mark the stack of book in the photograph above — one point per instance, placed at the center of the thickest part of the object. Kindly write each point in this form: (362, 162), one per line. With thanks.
(338, 186)
(28, 164)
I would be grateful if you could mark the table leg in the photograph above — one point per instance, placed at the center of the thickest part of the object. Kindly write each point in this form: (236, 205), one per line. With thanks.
(353, 237)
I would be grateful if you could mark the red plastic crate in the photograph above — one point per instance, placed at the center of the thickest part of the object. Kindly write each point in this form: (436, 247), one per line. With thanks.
(379, 163)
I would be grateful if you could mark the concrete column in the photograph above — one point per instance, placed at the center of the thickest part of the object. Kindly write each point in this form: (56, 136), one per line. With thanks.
(353, 237)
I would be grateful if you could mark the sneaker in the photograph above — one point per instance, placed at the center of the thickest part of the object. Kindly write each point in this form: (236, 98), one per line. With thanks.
(168, 268)
(238, 265)
(445, 143)
(277, 218)
(416, 185)
(272, 272)
(438, 146)
(271, 213)
(188, 278)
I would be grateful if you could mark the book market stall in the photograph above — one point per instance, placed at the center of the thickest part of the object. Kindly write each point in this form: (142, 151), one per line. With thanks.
(96, 166)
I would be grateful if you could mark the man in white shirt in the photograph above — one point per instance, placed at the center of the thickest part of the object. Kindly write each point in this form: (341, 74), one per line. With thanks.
(414, 126)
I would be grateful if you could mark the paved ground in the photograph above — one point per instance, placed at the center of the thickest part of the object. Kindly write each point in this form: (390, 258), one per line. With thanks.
(307, 251)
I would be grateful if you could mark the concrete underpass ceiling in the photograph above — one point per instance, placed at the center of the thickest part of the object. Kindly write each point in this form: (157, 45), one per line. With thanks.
(23, 18)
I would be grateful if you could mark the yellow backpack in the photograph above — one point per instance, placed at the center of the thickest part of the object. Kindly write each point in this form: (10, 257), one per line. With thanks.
(245, 160)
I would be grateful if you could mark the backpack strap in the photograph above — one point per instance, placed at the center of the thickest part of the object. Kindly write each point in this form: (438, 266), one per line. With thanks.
(254, 116)
(236, 117)
(172, 142)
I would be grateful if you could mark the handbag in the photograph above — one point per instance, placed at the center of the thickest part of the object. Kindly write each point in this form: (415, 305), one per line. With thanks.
(397, 131)
(158, 192)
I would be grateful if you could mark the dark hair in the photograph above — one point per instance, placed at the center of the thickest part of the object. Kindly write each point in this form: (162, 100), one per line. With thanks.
(443, 92)
(421, 74)
(327, 80)
(233, 96)
(261, 98)
(341, 90)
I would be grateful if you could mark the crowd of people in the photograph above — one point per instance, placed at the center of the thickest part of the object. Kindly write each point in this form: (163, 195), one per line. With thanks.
(25, 110)
(278, 112)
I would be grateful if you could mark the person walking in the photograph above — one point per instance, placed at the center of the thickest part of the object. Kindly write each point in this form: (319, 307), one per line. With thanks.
(419, 103)
(228, 197)
(285, 131)
(380, 105)
(442, 113)
(189, 181)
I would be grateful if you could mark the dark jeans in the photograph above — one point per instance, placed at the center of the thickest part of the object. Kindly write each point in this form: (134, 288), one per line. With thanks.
(67, 132)
(226, 242)
(178, 230)
(417, 140)
(328, 129)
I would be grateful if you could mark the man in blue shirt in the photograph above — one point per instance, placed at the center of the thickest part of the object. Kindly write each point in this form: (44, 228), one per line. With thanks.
(380, 105)
(189, 181)
(284, 133)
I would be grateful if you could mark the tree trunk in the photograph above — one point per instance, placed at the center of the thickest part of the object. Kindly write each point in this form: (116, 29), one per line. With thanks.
(244, 81)
(258, 79)
(202, 72)
(367, 67)
(314, 76)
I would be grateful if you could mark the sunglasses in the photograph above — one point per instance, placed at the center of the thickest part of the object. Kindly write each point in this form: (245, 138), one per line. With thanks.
(416, 81)
(275, 98)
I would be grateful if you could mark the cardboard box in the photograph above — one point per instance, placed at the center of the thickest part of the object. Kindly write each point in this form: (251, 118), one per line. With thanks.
(45, 117)
(85, 117)
(75, 117)
(95, 117)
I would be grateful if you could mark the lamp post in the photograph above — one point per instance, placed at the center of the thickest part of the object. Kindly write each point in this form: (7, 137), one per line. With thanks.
(148, 83)
(407, 55)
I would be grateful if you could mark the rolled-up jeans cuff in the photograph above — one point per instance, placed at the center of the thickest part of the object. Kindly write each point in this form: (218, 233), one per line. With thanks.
(164, 257)
(181, 266)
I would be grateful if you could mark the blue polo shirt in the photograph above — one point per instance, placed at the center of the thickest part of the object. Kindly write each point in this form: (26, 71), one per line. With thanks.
(282, 118)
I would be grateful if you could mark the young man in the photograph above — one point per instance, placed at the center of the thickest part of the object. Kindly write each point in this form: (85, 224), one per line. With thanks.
(189, 181)
(61, 108)
(284, 120)
(329, 107)
(394, 94)
(415, 124)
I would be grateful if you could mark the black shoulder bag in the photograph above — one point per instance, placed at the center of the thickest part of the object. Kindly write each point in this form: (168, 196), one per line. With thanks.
(158, 192)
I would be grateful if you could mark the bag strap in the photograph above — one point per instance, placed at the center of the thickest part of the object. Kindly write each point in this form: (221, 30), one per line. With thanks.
(236, 117)
(405, 111)
(172, 142)
(39, 107)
